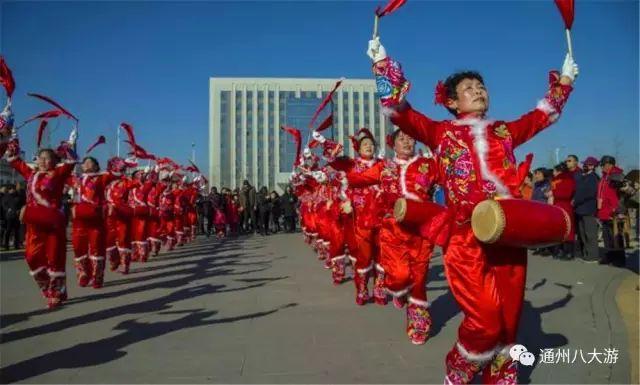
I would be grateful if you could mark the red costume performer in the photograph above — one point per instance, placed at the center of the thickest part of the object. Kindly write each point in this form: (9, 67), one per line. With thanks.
(88, 228)
(138, 202)
(404, 253)
(45, 241)
(179, 205)
(191, 212)
(119, 215)
(476, 162)
(154, 232)
(334, 208)
(167, 198)
(361, 228)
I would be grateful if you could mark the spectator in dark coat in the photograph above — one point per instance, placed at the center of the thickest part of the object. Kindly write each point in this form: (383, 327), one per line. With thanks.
(289, 203)
(541, 185)
(585, 204)
(11, 205)
(249, 207)
(276, 211)
(263, 201)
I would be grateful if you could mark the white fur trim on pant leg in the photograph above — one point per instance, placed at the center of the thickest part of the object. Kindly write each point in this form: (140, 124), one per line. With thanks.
(123, 250)
(476, 357)
(379, 268)
(112, 248)
(399, 293)
(418, 302)
(96, 258)
(365, 270)
(56, 274)
(352, 259)
(80, 258)
(338, 257)
(326, 243)
(36, 271)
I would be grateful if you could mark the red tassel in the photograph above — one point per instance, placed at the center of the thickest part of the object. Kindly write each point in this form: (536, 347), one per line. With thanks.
(129, 130)
(567, 10)
(101, 140)
(391, 7)
(6, 77)
(326, 101)
(297, 138)
(55, 104)
(328, 122)
(195, 168)
(45, 115)
(43, 125)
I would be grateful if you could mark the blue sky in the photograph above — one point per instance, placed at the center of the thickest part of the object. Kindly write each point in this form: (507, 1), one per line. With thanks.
(148, 63)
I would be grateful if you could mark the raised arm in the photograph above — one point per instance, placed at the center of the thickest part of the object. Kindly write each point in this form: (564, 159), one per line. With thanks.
(13, 157)
(365, 178)
(392, 88)
(549, 108)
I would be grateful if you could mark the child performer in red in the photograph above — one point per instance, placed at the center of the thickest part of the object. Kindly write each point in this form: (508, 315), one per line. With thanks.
(476, 162)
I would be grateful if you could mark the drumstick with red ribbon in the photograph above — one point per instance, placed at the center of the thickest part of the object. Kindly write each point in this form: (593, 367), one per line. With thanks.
(391, 7)
(567, 10)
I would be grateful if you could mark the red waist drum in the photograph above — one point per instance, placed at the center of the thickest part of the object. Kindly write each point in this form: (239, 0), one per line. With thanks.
(123, 211)
(414, 213)
(47, 218)
(520, 223)
(87, 211)
(141, 211)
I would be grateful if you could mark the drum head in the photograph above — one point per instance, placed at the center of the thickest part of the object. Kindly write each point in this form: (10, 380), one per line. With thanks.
(488, 221)
(400, 209)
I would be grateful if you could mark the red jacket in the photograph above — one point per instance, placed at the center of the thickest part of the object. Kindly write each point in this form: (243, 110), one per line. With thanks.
(607, 195)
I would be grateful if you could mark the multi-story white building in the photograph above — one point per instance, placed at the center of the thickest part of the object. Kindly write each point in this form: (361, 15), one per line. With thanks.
(245, 116)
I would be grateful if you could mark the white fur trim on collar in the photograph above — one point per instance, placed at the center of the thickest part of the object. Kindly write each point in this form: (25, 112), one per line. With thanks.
(481, 145)
(404, 165)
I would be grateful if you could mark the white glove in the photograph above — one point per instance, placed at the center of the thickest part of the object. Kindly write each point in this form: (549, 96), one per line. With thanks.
(569, 68)
(318, 136)
(307, 152)
(376, 50)
(73, 136)
(319, 176)
(147, 169)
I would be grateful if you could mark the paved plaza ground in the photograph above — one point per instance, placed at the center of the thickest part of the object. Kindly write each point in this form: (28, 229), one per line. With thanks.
(263, 310)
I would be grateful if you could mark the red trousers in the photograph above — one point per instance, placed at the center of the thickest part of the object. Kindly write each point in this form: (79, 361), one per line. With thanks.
(88, 239)
(154, 231)
(488, 283)
(167, 226)
(361, 242)
(119, 242)
(404, 256)
(45, 253)
(139, 238)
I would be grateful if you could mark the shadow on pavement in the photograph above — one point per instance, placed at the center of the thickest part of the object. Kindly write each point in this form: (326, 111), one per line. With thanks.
(108, 349)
